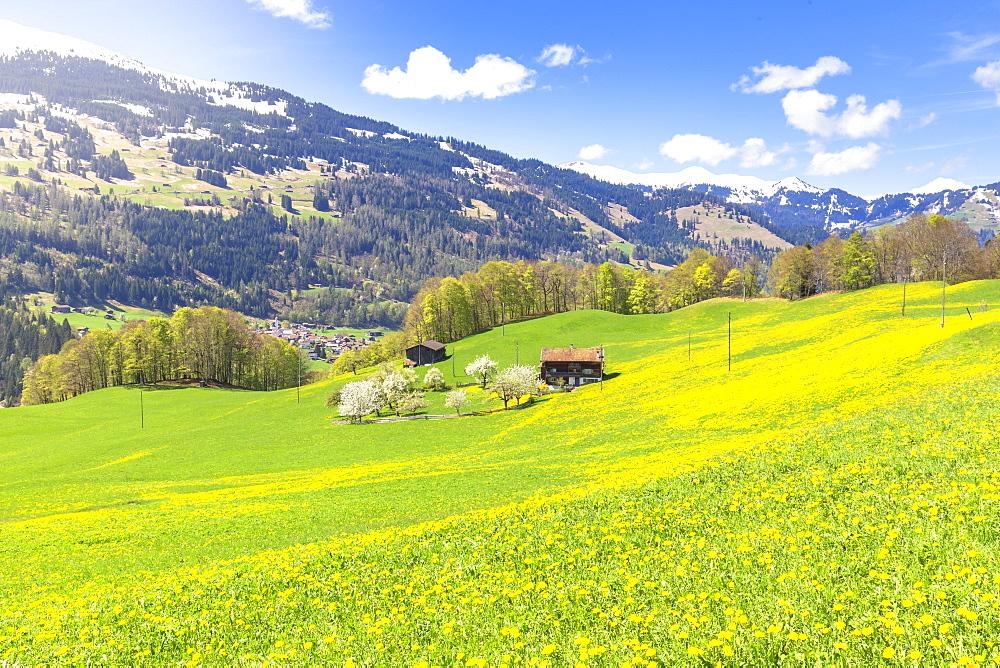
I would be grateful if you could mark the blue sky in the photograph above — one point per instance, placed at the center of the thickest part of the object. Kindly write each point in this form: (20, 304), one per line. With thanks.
(869, 97)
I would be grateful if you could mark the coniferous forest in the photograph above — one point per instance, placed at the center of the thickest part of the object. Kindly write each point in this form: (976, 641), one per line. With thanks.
(24, 337)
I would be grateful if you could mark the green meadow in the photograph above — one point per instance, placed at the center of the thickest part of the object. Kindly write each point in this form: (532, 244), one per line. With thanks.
(819, 487)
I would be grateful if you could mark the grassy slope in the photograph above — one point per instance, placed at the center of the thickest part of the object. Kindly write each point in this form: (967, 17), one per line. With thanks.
(216, 474)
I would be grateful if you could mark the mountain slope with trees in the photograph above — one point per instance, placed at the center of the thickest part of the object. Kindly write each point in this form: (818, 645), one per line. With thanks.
(386, 208)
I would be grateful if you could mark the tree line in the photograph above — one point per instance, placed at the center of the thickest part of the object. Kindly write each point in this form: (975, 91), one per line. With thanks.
(921, 248)
(205, 343)
(446, 309)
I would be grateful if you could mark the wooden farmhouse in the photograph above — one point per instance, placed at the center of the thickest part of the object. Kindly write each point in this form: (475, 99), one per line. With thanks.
(571, 367)
(428, 352)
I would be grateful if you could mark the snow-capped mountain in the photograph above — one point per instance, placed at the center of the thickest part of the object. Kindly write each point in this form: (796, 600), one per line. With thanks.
(939, 185)
(744, 189)
(17, 39)
(803, 211)
(792, 203)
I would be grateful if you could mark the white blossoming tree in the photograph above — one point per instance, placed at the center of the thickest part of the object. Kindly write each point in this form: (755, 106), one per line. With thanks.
(482, 368)
(434, 380)
(514, 382)
(359, 399)
(457, 399)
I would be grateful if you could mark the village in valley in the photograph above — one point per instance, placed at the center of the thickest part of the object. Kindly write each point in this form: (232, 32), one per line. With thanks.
(327, 346)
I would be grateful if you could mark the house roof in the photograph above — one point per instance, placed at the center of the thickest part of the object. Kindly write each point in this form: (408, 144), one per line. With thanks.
(431, 345)
(572, 355)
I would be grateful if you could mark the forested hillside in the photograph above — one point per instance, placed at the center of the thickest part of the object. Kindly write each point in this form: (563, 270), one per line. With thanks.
(374, 210)
(24, 336)
(123, 185)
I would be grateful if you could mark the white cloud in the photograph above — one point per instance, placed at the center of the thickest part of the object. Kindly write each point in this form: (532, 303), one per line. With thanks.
(857, 121)
(592, 152)
(953, 165)
(711, 151)
(755, 154)
(804, 109)
(970, 47)
(988, 76)
(557, 55)
(644, 164)
(854, 159)
(771, 78)
(919, 168)
(926, 120)
(696, 148)
(429, 74)
(299, 10)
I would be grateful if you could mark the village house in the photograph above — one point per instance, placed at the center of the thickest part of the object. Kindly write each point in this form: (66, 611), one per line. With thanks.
(571, 367)
(428, 352)
(60, 308)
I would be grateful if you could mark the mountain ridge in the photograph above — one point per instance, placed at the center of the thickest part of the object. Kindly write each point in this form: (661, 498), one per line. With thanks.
(790, 200)
(350, 204)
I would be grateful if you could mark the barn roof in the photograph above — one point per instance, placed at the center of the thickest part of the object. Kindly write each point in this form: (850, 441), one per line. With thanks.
(431, 345)
(572, 355)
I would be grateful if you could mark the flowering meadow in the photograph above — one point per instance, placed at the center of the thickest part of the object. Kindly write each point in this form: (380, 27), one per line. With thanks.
(830, 500)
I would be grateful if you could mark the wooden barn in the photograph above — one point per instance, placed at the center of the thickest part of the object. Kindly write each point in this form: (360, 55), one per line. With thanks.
(428, 352)
(571, 367)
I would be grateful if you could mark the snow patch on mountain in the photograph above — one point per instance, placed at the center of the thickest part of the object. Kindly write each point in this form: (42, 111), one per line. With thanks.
(14, 99)
(744, 188)
(260, 106)
(136, 109)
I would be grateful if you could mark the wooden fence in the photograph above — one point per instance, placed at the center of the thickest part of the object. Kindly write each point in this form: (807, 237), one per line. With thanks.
(450, 416)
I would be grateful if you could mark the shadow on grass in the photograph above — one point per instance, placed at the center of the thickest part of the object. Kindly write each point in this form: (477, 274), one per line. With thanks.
(186, 383)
